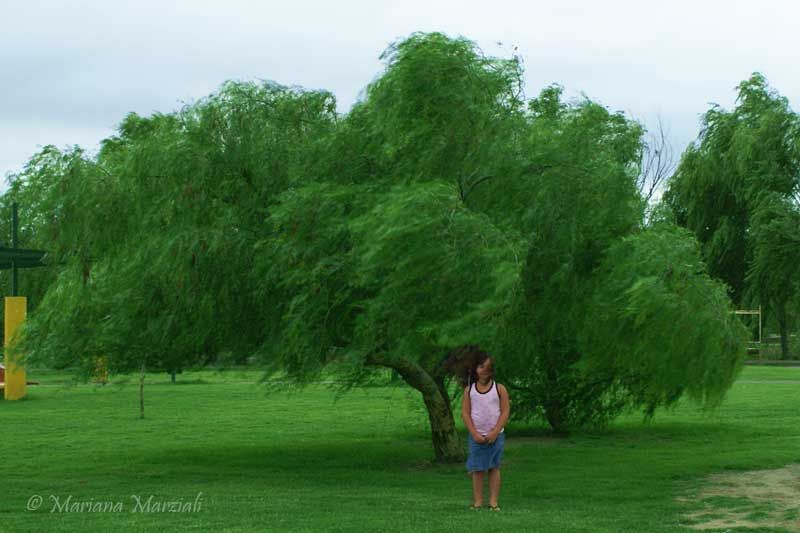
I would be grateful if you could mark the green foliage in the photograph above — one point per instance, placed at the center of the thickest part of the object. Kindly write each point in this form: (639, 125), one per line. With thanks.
(156, 236)
(657, 313)
(40, 205)
(305, 270)
(409, 272)
(375, 250)
(580, 197)
(580, 343)
(441, 109)
(740, 155)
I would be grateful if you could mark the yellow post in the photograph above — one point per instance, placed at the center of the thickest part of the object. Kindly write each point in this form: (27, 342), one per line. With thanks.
(16, 309)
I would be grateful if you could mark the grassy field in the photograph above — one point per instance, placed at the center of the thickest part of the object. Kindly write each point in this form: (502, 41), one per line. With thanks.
(264, 458)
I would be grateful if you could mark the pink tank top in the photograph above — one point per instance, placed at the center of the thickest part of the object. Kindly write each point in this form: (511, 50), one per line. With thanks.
(485, 408)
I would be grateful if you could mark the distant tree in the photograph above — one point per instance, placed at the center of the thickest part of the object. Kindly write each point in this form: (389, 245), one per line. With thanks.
(743, 160)
(774, 272)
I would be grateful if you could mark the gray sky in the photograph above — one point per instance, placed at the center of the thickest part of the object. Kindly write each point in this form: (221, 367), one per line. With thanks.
(70, 70)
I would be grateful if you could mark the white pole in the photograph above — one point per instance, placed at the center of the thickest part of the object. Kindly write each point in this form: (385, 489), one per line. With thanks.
(759, 323)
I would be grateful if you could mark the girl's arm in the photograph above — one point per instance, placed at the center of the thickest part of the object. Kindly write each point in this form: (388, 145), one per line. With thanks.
(505, 411)
(466, 416)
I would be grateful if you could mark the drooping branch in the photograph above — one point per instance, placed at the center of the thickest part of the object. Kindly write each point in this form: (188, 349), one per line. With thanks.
(464, 194)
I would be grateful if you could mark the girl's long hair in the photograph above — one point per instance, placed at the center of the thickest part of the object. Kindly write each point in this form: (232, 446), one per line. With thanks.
(462, 363)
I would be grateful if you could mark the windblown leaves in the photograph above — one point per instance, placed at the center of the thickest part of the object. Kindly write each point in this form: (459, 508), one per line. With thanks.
(660, 324)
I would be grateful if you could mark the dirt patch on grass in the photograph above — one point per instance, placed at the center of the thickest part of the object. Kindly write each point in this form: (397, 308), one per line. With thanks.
(751, 499)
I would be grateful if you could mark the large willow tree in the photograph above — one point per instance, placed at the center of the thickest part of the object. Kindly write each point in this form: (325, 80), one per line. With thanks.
(444, 209)
(449, 211)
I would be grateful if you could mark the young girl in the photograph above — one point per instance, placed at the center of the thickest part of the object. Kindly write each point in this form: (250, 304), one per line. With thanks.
(485, 410)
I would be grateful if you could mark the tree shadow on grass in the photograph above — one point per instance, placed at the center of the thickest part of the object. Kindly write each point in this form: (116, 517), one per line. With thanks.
(409, 451)
(309, 457)
(662, 431)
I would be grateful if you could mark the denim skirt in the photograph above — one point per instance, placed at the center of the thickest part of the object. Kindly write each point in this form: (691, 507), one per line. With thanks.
(485, 456)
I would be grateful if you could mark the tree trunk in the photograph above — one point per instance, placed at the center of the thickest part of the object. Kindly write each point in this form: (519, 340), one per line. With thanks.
(141, 392)
(555, 400)
(556, 414)
(447, 446)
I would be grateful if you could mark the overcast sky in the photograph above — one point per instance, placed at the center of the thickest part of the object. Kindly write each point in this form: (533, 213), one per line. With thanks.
(71, 70)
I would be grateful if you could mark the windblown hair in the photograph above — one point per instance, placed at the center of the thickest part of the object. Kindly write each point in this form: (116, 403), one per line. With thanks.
(462, 363)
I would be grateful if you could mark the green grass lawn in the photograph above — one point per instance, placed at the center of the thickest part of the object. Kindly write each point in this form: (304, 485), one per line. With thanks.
(266, 458)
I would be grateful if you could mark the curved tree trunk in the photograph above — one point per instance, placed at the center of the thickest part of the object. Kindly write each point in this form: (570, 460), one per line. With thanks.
(447, 446)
